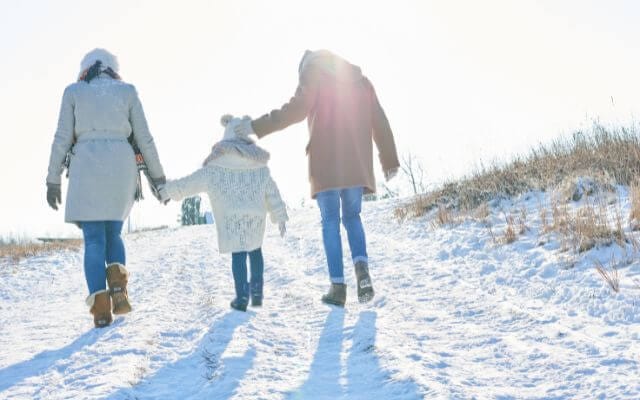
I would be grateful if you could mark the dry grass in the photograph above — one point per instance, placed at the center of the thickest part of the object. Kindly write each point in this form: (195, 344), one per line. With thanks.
(510, 234)
(607, 157)
(15, 250)
(444, 216)
(610, 276)
(634, 213)
(585, 227)
(482, 212)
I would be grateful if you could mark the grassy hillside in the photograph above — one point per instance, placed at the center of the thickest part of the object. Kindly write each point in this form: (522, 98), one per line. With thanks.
(607, 157)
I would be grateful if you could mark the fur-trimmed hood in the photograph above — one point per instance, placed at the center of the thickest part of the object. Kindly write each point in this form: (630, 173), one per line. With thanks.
(108, 60)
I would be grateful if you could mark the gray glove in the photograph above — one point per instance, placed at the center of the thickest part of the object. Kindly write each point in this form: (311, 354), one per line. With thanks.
(54, 195)
(156, 184)
(163, 195)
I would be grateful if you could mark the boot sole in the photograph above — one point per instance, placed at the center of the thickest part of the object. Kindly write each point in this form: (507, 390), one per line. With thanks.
(366, 296)
(239, 307)
(102, 322)
(332, 302)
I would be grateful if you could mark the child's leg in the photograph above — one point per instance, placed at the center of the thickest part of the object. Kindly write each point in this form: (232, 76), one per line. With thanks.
(239, 268)
(257, 279)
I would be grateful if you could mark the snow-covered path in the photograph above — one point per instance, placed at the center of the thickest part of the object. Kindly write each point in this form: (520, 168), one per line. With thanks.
(454, 317)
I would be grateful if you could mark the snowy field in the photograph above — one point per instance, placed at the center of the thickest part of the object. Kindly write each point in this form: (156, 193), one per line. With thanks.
(456, 316)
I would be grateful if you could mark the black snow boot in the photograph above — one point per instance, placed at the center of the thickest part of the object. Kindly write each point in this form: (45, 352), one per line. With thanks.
(242, 298)
(363, 281)
(256, 293)
(337, 295)
(239, 304)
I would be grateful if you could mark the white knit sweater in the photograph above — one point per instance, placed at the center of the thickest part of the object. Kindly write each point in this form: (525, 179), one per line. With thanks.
(241, 192)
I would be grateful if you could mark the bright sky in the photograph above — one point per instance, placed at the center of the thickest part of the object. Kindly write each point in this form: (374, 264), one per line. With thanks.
(461, 81)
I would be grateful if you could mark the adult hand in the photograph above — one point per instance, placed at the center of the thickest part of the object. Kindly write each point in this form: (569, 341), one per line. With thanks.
(283, 228)
(390, 173)
(54, 195)
(155, 185)
(163, 196)
(244, 128)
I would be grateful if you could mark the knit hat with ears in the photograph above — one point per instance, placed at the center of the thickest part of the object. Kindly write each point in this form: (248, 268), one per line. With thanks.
(230, 122)
(108, 60)
(232, 145)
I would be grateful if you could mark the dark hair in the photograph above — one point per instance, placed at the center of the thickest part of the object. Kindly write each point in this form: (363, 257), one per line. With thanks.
(94, 70)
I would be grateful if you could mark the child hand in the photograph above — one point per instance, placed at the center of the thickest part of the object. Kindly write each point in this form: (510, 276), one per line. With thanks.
(244, 128)
(283, 228)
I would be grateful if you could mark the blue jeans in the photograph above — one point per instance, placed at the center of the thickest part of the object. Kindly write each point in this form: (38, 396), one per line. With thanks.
(239, 268)
(102, 246)
(330, 203)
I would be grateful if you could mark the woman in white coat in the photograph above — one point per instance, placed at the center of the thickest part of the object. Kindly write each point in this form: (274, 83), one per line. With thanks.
(97, 116)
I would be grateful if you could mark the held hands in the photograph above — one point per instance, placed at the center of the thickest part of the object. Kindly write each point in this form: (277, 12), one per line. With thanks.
(160, 193)
(390, 173)
(244, 129)
(54, 195)
(283, 228)
(163, 196)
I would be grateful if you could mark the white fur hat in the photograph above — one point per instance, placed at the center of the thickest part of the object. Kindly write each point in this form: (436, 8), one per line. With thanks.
(107, 59)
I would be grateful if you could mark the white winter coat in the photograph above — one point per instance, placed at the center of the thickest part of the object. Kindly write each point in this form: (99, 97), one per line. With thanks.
(241, 192)
(99, 116)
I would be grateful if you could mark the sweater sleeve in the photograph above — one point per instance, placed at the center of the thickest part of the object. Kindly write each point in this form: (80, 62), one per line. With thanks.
(143, 137)
(383, 136)
(63, 139)
(190, 185)
(275, 205)
(290, 113)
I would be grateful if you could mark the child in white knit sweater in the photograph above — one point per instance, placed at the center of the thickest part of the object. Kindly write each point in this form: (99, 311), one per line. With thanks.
(236, 178)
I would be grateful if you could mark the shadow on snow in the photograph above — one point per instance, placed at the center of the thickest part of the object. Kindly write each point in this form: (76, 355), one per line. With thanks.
(364, 378)
(41, 362)
(203, 373)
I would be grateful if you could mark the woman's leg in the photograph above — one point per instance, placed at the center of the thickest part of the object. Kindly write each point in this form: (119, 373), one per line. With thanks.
(329, 204)
(94, 234)
(115, 252)
(257, 279)
(351, 207)
(117, 274)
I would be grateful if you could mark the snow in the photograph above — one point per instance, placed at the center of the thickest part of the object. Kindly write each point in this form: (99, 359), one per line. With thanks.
(456, 315)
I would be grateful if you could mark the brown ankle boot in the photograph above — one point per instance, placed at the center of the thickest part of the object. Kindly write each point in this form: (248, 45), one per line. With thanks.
(100, 306)
(337, 295)
(117, 278)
